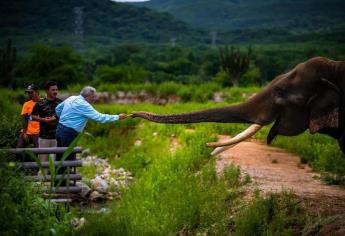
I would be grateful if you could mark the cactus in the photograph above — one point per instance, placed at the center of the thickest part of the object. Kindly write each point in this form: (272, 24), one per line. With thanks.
(7, 62)
(234, 63)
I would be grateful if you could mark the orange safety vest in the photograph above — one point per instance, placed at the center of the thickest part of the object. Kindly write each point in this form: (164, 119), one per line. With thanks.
(33, 126)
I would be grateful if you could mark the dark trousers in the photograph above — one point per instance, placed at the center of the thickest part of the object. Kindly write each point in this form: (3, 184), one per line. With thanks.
(64, 137)
(32, 141)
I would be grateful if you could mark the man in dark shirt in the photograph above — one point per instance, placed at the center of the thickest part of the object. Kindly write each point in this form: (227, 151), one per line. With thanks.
(44, 112)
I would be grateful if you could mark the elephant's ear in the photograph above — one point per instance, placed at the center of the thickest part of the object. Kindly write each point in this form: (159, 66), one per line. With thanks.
(325, 110)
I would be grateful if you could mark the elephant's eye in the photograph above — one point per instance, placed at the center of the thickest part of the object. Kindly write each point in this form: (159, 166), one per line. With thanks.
(279, 92)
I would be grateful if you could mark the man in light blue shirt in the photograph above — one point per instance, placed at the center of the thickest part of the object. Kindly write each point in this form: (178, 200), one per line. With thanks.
(75, 111)
(73, 114)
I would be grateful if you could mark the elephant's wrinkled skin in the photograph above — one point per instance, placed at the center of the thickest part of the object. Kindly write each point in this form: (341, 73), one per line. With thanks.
(308, 96)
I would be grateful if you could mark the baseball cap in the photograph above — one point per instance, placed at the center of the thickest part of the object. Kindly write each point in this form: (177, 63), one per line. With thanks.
(31, 88)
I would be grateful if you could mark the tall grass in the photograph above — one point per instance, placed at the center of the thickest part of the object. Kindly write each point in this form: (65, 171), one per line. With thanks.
(180, 193)
(173, 193)
(23, 211)
(9, 119)
(320, 151)
(276, 214)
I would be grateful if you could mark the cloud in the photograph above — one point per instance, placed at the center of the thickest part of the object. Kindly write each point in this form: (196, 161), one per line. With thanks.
(130, 0)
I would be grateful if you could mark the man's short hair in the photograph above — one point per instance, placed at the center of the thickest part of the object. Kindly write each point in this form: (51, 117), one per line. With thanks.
(86, 91)
(49, 84)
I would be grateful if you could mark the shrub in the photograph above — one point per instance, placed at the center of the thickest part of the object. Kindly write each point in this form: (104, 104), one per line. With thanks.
(23, 212)
(185, 93)
(9, 120)
(121, 73)
(168, 88)
(276, 214)
(44, 63)
(9, 130)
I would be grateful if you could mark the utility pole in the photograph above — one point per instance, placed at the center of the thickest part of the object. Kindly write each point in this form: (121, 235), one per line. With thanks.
(78, 28)
(213, 38)
(173, 42)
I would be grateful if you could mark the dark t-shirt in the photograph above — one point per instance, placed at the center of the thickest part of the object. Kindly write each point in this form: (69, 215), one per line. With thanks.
(46, 108)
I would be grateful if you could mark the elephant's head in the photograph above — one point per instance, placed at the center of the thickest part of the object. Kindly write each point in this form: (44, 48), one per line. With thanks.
(308, 96)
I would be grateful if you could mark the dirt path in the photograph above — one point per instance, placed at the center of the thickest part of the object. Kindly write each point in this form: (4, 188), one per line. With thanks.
(273, 170)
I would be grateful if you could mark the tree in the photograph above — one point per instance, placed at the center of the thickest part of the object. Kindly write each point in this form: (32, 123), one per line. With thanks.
(45, 63)
(121, 74)
(7, 62)
(234, 63)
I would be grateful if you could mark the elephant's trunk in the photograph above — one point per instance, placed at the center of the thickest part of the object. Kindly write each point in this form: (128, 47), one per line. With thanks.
(241, 113)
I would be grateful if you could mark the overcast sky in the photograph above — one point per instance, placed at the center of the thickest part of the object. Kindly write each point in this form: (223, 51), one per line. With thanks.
(130, 0)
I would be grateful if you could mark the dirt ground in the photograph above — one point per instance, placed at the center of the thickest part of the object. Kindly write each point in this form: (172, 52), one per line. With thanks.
(274, 170)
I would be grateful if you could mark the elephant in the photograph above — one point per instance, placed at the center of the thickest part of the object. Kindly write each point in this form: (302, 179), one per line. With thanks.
(309, 96)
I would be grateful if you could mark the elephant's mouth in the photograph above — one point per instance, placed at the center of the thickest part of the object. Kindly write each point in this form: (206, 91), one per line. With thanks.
(223, 146)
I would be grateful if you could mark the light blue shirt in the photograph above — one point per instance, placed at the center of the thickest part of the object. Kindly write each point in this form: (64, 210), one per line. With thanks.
(75, 111)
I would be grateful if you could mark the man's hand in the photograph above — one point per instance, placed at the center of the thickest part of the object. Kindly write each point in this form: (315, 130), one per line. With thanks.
(123, 116)
(49, 119)
(24, 136)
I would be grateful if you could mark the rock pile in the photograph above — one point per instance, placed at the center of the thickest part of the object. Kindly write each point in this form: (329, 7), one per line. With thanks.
(107, 183)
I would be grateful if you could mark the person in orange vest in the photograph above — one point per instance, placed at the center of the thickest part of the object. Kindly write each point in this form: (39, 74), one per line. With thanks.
(30, 128)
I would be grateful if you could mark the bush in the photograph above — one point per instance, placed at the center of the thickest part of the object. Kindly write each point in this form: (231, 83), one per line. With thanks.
(9, 119)
(23, 212)
(121, 73)
(9, 130)
(168, 88)
(45, 63)
(185, 93)
(277, 214)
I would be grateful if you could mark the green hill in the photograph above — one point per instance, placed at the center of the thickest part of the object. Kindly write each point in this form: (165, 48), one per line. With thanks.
(101, 22)
(294, 15)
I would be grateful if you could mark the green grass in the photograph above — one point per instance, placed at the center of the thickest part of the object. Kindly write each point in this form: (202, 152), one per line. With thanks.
(171, 192)
(320, 151)
(180, 193)
(175, 193)
(23, 211)
(276, 214)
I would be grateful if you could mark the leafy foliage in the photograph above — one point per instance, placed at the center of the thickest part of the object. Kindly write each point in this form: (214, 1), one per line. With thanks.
(234, 63)
(23, 212)
(240, 14)
(9, 119)
(178, 193)
(7, 62)
(45, 63)
(276, 214)
(120, 74)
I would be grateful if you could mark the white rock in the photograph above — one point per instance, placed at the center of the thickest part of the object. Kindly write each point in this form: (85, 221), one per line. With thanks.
(99, 184)
(95, 196)
(114, 183)
(137, 143)
(104, 210)
(85, 152)
(85, 189)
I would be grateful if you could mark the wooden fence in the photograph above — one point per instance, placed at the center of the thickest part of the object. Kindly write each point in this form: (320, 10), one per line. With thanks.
(54, 193)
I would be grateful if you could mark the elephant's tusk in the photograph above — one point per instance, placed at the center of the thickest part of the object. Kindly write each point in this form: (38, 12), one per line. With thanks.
(218, 150)
(250, 131)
